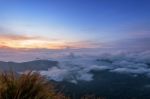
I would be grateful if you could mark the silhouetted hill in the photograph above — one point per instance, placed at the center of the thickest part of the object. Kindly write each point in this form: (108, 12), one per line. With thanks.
(110, 85)
(31, 65)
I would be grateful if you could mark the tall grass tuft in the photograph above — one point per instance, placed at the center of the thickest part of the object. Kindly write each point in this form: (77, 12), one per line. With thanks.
(26, 86)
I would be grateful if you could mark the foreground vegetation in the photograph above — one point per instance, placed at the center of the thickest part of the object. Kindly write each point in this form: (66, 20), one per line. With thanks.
(26, 86)
(29, 86)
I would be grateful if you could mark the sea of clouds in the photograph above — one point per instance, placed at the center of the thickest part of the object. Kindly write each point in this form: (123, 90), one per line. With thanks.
(76, 67)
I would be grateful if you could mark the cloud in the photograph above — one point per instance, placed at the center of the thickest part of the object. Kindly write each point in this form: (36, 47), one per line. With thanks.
(20, 41)
(130, 70)
(76, 66)
(54, 73)
(16, 37)
(8, 34)
(13, 40)
(79, 68)
(73, 69)
(9, 39)
(84, 44)
(140, 43)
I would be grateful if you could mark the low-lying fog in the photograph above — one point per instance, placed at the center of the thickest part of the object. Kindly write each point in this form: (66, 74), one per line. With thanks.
(76, 65)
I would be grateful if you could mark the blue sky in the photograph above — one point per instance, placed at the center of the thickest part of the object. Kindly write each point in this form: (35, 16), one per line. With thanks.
(76, 20)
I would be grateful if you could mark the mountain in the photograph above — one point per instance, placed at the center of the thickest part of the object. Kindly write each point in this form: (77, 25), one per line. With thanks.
(109, 85)
(31, 65)
(125, 84)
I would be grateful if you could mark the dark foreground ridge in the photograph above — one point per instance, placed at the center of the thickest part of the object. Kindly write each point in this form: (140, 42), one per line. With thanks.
(105, 84)
(110, 86)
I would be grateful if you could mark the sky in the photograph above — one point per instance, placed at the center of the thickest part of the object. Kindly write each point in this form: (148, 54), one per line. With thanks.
(58, 24)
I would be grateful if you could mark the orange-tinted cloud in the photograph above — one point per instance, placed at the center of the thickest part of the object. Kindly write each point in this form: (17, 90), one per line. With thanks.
(9, 39)
(84, 44)
(21, 41)
(31, 42)
(16, 37)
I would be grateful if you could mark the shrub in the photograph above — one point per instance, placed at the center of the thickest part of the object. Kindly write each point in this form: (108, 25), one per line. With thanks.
(26, 86)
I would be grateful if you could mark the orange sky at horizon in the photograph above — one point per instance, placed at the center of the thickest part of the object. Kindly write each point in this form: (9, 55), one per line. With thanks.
(29, 42)
(19, 42)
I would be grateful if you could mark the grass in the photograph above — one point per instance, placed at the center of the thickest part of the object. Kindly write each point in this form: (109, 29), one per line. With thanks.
(26, 86)
(30, 86)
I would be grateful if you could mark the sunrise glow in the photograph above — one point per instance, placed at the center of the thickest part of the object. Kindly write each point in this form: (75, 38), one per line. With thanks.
(72, 24)
(19, 41)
